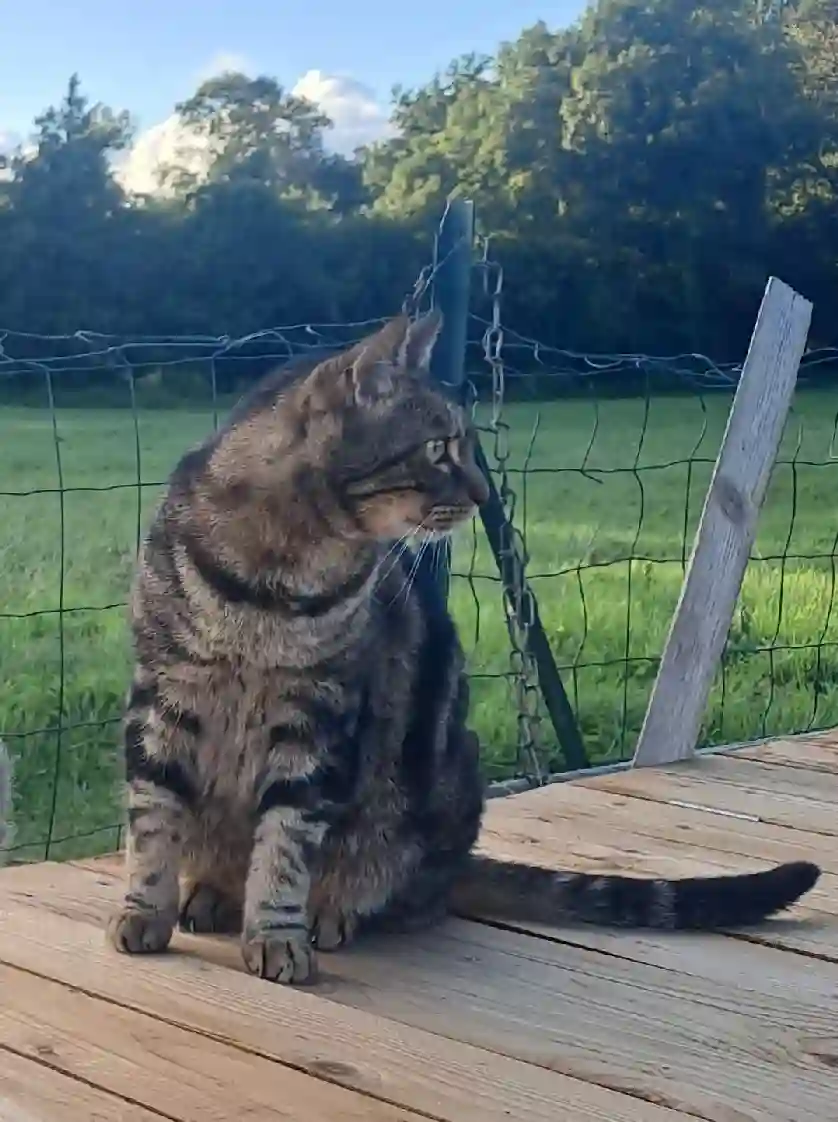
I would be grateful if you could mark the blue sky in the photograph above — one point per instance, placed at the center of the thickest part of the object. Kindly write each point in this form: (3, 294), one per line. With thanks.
(144, 55)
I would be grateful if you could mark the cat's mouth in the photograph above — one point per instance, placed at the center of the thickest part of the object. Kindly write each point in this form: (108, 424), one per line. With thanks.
(444, 520)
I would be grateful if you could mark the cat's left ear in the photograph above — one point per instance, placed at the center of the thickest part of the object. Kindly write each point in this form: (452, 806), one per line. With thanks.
(419, 341)
(400, 345)
(373, 370)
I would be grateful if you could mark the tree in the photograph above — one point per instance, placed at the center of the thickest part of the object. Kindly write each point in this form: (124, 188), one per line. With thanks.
(629, 167)
(65, 207)
(66, 172)
(640, 174)
(250, 129)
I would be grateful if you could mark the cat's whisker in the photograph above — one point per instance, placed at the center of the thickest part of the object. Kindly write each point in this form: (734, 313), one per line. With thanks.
(414, 569)
(401, 544)
(398, 548)
(407, 578)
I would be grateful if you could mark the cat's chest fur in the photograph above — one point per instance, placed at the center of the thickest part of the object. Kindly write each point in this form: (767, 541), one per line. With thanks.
(239, 711)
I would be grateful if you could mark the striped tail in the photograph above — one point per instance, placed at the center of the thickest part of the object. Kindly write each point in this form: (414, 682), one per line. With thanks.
(532, 894)
(5, 800)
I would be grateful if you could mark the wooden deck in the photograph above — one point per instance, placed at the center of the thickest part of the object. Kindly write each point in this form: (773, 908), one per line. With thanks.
(475, 1022)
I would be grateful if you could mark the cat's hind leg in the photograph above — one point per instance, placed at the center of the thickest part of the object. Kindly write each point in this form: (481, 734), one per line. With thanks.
(207, 909)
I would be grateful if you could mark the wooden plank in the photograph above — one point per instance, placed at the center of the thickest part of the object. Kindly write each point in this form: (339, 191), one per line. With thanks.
(698, 1044)
(177, 1073)
(815, 938)
(772, 778)
(810, 928)
(810, 754)
(621, 828)
(726, 960)
(111, 864)
(555, 826)
(707, 1047)
(574, 827)
(726, 529)
(687, 784)
(33, 1092)
(607, 848)
(584, 808)
(352, 1047)
(580, 827)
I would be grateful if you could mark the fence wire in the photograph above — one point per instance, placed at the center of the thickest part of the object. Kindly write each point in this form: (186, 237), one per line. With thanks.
(607, 460)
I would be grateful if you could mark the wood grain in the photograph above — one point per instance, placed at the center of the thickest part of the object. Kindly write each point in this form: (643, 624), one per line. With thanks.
(761, 1048)
(175, 1072)
(580, 826)
(762, 777)
(584, 809)
(606, 849)
(726, 529)
(478, 1021)
(560, 845)
(34, 1092)
(816, 753)
(693, 783)
(50, 923)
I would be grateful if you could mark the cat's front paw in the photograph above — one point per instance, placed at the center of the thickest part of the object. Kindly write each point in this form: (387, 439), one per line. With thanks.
(132, 931)
(284, 956)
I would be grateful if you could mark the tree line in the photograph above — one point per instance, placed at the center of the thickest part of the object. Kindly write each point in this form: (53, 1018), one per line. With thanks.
(640, 174)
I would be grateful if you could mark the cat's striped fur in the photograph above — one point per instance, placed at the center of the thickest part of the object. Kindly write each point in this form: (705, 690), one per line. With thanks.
(296, 742)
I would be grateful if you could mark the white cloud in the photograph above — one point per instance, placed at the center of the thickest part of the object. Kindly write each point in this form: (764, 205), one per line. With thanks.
(13, 143)
(9, 140)
(358, 118)
(166, 143)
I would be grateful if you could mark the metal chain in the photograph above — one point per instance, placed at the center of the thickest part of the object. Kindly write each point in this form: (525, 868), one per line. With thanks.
(518, 599)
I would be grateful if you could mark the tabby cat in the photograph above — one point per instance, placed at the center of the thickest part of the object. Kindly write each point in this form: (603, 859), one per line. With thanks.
(296, 742)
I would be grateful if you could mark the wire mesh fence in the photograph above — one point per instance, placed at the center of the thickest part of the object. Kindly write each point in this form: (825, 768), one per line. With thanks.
(611, 457)
(601, 462)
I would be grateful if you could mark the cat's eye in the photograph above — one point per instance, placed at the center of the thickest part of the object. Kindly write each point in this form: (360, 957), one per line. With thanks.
(437, 450)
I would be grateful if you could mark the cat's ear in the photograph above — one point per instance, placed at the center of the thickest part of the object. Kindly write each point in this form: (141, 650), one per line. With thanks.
(367, 372)
(362, 375)
(419, 341)
(374, 370)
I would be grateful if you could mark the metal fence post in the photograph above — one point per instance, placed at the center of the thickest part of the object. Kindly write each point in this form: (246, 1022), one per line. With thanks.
(450, 293)
(453, 260)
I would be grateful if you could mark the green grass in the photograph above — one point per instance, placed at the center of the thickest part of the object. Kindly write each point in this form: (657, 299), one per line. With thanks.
(606, 615)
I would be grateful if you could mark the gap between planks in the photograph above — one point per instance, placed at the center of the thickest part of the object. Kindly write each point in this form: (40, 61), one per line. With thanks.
(173, 1071)
(33, 1091)
(795, 798)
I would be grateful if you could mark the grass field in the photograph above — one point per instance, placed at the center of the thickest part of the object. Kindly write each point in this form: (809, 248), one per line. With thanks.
(607, 558)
